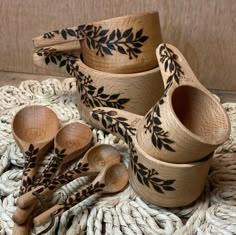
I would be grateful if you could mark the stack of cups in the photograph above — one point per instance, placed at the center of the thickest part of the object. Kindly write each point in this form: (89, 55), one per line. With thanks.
(116, 66)
(173, 144)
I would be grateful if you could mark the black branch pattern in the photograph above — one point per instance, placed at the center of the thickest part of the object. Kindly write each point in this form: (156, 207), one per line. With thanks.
(30, 163)
(105, 41)
(169, 59)
(51, 168)
(90, 95)
(80, 196)
(160, 138)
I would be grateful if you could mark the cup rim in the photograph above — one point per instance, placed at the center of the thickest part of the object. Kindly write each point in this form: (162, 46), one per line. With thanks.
(169, 164)
(138, 14)
(117, 75)
(189, 132)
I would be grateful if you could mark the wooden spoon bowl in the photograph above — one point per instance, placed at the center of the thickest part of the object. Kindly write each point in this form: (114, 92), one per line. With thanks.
(33, 128)
(35, 124)
(74, 138)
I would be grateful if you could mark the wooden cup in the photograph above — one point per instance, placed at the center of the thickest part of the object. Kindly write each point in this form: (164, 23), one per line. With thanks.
(136, 92)
(123, 44)
(158, 182)
(187, 123)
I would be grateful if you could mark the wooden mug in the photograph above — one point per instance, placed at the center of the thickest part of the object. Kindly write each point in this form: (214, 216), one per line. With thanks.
(136, 92)
(123, 44)
(158, 182)
(187, 123)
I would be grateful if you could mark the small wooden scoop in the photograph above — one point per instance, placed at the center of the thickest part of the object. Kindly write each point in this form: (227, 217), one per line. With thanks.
(33, 128)
(92, 163)
(111, 179)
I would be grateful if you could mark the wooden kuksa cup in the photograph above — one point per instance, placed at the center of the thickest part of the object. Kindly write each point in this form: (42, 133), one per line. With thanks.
(123, 44)
(187, 123)
(134, 92)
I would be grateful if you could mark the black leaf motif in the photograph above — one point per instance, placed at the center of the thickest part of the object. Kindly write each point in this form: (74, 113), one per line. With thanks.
(90, 95)
(159, 137)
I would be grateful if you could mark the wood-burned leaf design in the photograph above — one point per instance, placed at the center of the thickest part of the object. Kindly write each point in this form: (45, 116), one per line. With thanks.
(103, 41)
(169, 59)
(80, 196)
(52, 167)
(153, 125)
(90, 95)
(115, 124)
(68, 176)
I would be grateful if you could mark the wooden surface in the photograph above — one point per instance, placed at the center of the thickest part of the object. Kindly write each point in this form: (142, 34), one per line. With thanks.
(202, 30)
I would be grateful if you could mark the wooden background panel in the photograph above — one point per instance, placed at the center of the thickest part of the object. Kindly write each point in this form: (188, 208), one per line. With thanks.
(203, 30)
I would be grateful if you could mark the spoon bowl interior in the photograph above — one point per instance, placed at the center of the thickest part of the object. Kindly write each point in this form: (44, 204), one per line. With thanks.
(74, 137)
(101, 155)
(35, 124)
(116, 178)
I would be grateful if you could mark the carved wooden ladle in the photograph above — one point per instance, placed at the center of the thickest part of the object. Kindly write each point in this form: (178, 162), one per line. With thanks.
(111, 179)
(185, 126)
(33, 128)
(70, 141)
(94, 160)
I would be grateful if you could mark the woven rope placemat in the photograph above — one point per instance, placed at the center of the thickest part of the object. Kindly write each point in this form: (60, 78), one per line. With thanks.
(124, 213)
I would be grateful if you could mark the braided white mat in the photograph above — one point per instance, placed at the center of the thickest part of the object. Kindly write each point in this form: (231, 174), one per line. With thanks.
(123, 213)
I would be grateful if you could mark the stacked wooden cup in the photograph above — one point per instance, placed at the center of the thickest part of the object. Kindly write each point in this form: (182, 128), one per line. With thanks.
(118, 67)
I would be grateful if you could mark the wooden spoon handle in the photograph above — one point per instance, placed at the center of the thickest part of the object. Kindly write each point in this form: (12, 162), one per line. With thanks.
(23, 229)
(59, 36)
(21, 215)
(52, 167)
(58, 209)
(29, 171)
(81, 170)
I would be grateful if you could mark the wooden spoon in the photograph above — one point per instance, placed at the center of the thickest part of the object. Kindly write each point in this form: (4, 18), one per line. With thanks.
(34, 135)
(92, 163)
(111, 179)
(33, 128)
(70, 141)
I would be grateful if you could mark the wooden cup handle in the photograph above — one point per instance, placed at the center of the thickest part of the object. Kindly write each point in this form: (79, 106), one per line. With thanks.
(61, 58)
(174, 68)
(118, 122)
(58, 36)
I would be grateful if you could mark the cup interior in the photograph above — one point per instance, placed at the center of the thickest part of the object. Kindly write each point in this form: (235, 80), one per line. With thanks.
(201, 114)
(35, 124)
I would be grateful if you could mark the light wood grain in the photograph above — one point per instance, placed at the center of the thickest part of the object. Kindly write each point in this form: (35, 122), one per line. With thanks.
(203, 30)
